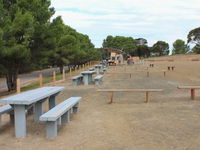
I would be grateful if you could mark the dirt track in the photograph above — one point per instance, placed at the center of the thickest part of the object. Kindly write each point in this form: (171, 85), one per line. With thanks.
(169, 122)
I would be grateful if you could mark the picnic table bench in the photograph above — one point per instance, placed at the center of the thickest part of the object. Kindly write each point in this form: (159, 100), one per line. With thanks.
(77, 80)
(98, 79)
(147, 91)
(61, 111)
(20, 102)
(6, 109)
(191, 88)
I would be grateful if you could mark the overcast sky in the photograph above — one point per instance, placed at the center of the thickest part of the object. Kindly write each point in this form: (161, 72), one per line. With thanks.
(153, 20)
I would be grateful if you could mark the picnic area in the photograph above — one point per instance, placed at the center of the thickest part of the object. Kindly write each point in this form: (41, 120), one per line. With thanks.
(170, 120)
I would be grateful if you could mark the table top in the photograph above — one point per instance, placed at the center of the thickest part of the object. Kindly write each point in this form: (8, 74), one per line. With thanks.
(32, 96)
(88, 72)
(98, 65)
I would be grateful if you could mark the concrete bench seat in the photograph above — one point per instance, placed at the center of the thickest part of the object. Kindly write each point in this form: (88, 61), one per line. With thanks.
(77, 80)
(61, 112)
(91, 69)
(98, 79)
(6, 109)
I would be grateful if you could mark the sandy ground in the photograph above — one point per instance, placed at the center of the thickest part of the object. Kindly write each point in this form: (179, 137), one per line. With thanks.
(169, 122)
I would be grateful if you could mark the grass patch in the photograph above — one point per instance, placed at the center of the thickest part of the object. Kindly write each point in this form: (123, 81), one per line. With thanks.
(36, 84)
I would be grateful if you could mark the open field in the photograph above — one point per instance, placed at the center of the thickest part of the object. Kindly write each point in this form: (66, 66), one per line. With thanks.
(169, 122)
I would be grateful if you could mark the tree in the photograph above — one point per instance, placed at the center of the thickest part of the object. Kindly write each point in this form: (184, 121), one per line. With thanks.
(179, 47)
(18, 21)
(143, 51)
(196, 49)
(127, 44)
(160, 48)
(194, 36)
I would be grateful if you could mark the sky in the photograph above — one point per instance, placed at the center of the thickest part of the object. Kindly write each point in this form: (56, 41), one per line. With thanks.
(154, 20)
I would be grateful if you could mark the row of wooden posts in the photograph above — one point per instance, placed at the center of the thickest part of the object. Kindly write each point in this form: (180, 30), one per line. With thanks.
(18, 84)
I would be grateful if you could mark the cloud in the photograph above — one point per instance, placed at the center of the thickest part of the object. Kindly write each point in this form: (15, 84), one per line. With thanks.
(151, 19)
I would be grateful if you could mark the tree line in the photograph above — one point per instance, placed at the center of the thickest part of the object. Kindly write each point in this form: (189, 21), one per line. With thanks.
(30, 41)
(130, 46)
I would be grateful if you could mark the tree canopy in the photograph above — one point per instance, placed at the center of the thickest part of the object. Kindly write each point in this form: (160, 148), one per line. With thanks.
(179, 47)
(194, 36)
(160, 48)
(127, 44)
(29, 40)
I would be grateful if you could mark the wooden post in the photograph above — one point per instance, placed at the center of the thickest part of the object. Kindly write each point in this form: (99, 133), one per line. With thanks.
(111, 98)
(192, 94)
(40, 79)
(18, 86)
(147, 97)
(70, 71)
(54, 78)
(63, 74)
(147, 73)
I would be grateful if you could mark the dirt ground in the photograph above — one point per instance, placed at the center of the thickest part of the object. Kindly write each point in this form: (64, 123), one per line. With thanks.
(171, 121)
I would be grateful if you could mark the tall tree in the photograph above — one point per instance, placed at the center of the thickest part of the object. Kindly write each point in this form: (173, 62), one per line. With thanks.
(143, 51)
(161, 48)
(179, 47)
(18, 21)
(194, 36)
(127, 44)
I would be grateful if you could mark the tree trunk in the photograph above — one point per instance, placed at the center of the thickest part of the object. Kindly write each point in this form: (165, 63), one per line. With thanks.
(11, 79)
(61, 69)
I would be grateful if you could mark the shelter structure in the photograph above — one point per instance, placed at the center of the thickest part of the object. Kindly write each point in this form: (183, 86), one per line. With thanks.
(114, 55)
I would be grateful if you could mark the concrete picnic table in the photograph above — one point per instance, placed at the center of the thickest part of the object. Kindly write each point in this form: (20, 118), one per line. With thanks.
(87, 76)
(98, 68)
(23, 100)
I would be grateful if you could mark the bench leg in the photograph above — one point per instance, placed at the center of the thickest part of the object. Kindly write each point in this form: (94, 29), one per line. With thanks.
(75, 108)
(192, 94)
(65, 118)
(164, 73)
(12, 117)
(97, 82)
(59, 121)
(20, 121)
(74, 82)
(38, 111)
(147, 97)
(52, 102)
(111, 98)
(147, 73)
(71, 111)
(51, 129)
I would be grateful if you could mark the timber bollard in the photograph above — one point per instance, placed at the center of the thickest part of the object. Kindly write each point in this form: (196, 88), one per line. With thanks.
(63, 72)
(54, 78)
(40, 79)
(18, 86)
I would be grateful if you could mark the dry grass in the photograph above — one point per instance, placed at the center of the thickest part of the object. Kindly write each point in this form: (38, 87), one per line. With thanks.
(169, 122)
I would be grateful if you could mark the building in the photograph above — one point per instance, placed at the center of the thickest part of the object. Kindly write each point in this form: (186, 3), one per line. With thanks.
(141, 41)
(114, 55)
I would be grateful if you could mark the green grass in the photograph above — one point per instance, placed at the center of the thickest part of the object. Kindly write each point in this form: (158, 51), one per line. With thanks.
(36, 84)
